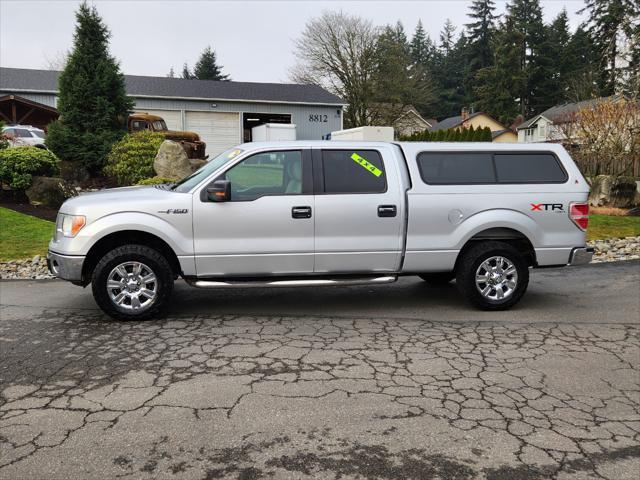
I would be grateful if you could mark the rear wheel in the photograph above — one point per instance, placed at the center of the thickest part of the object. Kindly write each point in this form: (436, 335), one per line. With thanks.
(132, 282)
(492, 275)
(437, 278)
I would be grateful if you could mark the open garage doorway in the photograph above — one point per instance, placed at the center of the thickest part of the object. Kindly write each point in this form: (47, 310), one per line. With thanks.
(250, 120)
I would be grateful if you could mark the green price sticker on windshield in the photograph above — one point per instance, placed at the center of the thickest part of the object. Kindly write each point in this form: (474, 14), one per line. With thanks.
(365, 164)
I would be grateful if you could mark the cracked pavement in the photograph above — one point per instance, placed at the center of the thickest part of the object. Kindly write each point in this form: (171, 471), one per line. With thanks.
(390, 382)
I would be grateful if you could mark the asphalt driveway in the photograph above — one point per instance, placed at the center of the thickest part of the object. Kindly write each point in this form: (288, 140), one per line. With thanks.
(390, 382)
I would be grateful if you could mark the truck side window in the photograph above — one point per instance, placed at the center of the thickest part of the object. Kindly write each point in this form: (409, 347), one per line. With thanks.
(353, 171)
(266, 173)
(529, 168)
(443, 168)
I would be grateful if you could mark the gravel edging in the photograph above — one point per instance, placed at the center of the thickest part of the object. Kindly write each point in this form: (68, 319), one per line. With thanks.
(611, 250)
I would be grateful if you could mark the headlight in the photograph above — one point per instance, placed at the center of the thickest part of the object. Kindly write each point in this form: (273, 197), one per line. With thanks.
(70, 225)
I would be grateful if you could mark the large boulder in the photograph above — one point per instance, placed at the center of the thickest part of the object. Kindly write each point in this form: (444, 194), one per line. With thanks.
(196, 163)
(172, 161)
(610, 191)
(49, 191)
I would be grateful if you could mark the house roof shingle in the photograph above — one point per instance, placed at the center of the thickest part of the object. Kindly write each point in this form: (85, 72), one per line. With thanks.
(451, 122)
(560, 113)
(27, 80)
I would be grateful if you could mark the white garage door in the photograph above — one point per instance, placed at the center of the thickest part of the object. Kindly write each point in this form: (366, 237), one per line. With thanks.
(173, 118)
(220, 131)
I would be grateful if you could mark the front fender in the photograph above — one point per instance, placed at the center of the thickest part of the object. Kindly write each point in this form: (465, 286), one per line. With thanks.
(177, 233)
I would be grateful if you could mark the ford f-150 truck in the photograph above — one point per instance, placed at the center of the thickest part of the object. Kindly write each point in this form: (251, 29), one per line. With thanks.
(331, 213)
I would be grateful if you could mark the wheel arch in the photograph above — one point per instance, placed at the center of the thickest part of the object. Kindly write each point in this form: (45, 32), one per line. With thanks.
(509, 235)
(127, 237)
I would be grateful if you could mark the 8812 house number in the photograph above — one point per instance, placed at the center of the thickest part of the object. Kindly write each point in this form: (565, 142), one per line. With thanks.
(318, 117)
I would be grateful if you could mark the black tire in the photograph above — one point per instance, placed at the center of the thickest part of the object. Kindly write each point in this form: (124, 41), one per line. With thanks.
(151, 258)
(469, 264)
(437, 278)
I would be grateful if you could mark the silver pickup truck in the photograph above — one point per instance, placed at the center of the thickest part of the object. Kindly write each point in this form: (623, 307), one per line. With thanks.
(331, 213)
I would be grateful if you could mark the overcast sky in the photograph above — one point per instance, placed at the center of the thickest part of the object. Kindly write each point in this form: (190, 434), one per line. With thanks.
(253, 39)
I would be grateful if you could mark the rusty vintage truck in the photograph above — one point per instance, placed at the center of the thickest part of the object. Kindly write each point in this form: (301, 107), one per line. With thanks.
(190, 141)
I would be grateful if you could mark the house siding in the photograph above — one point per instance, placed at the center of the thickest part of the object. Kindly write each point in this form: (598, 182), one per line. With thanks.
(306, 128)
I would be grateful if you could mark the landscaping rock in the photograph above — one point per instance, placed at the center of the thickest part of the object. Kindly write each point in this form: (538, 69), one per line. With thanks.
(34, 269)
(196, 163)
(171, 161)
(610, 191)
(615, 249)
(49, 191)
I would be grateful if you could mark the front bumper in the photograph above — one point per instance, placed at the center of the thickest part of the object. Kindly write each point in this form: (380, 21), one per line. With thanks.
(581, 256)
(66, 267)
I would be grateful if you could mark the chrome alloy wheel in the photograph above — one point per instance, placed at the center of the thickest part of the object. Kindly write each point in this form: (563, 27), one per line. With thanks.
(132, 286)
(496, 278)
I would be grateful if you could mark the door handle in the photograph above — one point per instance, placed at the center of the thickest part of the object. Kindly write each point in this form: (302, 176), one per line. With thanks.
(301, 212)
(387, 210)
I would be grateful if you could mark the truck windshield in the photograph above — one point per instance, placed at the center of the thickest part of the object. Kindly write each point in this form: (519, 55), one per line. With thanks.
(159, 125)
(207, 169)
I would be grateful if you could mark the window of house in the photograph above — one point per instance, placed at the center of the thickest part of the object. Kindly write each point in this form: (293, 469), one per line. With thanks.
(353, 171)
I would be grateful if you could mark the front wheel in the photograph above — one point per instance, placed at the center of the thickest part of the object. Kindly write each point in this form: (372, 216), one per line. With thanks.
(132, 282)
(492, 275)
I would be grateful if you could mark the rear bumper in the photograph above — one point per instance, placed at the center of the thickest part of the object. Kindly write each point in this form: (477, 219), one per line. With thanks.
(66, 267)
(581, 256)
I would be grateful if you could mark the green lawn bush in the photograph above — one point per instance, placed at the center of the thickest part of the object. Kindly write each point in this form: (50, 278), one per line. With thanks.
(156, 181)
(19, 165)
(131, 159)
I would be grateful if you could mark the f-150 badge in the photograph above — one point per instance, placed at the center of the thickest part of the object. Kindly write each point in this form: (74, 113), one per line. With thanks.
(175, 211)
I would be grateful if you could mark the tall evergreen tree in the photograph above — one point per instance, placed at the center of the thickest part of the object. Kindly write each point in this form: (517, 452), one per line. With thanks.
(557, 64)
(447, 37)
(172, 73)
(398, 83)
(526, 16)
(479, 34)
(612, 24)
(583, 70)
(186, 73)
(92, 102)
(421, 47)
(479, 53)
(207, 67)
(449, 72)
(500, 84)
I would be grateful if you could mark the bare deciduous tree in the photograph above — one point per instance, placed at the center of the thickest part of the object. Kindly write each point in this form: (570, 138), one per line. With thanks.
(338, 51)
(605, 137)
(57, 61)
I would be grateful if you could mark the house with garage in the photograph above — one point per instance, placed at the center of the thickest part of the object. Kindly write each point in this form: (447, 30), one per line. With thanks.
(499, 132)
(222, 113)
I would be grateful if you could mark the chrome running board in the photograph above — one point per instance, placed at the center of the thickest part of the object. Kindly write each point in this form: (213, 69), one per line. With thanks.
(299, 282)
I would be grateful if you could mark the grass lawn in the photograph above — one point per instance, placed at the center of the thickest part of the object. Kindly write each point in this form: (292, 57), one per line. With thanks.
(608, 226)
(23, 236)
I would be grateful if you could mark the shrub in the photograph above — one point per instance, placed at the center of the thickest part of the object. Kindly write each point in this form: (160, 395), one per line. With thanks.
(18, 165)
(131, 159)
(156, 181)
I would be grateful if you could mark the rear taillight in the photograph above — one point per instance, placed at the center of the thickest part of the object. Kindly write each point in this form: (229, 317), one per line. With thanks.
(579, 214)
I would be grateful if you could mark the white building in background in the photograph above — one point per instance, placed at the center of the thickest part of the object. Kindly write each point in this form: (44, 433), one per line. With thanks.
(547, 126)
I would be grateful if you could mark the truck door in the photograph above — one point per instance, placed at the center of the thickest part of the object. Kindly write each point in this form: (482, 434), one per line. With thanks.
(359, 210)
(267, 227)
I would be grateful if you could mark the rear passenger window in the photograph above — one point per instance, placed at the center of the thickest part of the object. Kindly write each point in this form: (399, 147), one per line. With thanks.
(456, 168)
(353, 171)
(529, 168)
